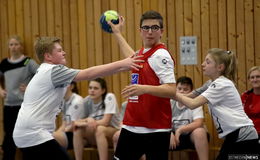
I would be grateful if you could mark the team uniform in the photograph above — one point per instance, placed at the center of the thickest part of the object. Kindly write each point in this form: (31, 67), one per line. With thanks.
(15, 73)
(73, 109)
(36, 119)
(251, 104)
(97, 111)
(203, 88)
(229, 118)
(182, 115)
(147, 120)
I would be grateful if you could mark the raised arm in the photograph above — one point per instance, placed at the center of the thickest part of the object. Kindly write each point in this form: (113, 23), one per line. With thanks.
(124, 46)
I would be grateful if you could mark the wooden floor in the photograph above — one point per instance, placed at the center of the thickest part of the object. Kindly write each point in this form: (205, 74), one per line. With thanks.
(92, 154)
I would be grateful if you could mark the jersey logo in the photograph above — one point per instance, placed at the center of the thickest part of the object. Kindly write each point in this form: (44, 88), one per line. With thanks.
(213, 85)
(109, 98)
(164, 61)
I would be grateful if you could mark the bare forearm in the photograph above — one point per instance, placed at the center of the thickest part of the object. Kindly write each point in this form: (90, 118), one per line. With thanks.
(105, 120)
(99, 71)
(165, 90)
(124, 46)
(190, 102)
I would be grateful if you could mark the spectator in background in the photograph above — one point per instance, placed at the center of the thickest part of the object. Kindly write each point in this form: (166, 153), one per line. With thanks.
(15, 71)
(188, 130)
(251, 98)
(101, 122)
(72, 110)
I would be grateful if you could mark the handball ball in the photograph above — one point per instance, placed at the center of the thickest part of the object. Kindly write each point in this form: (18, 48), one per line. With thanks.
(109, 15)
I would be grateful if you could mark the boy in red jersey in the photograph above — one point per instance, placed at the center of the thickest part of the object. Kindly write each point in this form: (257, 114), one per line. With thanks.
(147, 120)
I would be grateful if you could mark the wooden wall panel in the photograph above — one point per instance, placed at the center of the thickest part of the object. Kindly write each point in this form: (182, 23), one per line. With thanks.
(228, 24)
(187, 12)
(249, 37)
(19, 17)
(180, 69)
(256, 15)
(196, 21)
(240, 37)
(82, 41)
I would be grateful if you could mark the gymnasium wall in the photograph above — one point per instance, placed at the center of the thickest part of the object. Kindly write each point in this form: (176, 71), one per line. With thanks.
(228, 24)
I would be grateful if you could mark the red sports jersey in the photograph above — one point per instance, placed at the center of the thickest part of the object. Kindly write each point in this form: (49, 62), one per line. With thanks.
(251, 104)
(147, 110)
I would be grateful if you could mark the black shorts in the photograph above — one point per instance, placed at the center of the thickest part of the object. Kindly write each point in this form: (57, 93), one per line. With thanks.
(231, 148)
(131, 146)
(50, 150)
(69, 136)
(186, 143)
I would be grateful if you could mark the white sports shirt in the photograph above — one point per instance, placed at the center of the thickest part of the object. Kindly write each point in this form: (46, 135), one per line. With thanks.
(183, 115)
(225, 105)
(42, 101)
(162, 64)
(97, 111)
(73, 107)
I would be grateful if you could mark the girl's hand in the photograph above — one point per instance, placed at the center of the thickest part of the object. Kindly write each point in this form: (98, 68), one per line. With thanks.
(79, 123)
(91, 123)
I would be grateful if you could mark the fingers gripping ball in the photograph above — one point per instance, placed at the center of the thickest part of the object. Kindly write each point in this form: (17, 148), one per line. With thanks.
(109, 15)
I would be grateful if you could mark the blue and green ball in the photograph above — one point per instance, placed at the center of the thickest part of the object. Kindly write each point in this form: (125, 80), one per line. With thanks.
(109, 15)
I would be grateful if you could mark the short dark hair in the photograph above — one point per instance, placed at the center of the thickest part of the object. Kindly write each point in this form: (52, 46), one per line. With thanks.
(152, 15)
(185, 80)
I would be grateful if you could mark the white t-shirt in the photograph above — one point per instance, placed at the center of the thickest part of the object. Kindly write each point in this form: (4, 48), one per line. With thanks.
(225, 105)
(162, 64)
(42, 102)
(97, 111)
(73, 107)
(182, 115)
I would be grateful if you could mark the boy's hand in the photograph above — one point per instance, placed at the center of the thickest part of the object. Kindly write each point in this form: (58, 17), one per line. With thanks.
(172, 142)
(117, 28)
(133, 90)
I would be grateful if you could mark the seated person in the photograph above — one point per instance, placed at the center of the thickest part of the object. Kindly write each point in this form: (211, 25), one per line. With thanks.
(72, 110)
(251, 98)
(188, 130)
(101, 122)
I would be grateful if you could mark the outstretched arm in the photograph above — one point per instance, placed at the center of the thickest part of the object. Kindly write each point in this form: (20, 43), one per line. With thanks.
(190, 102)
(165, 90)
(109, 69)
